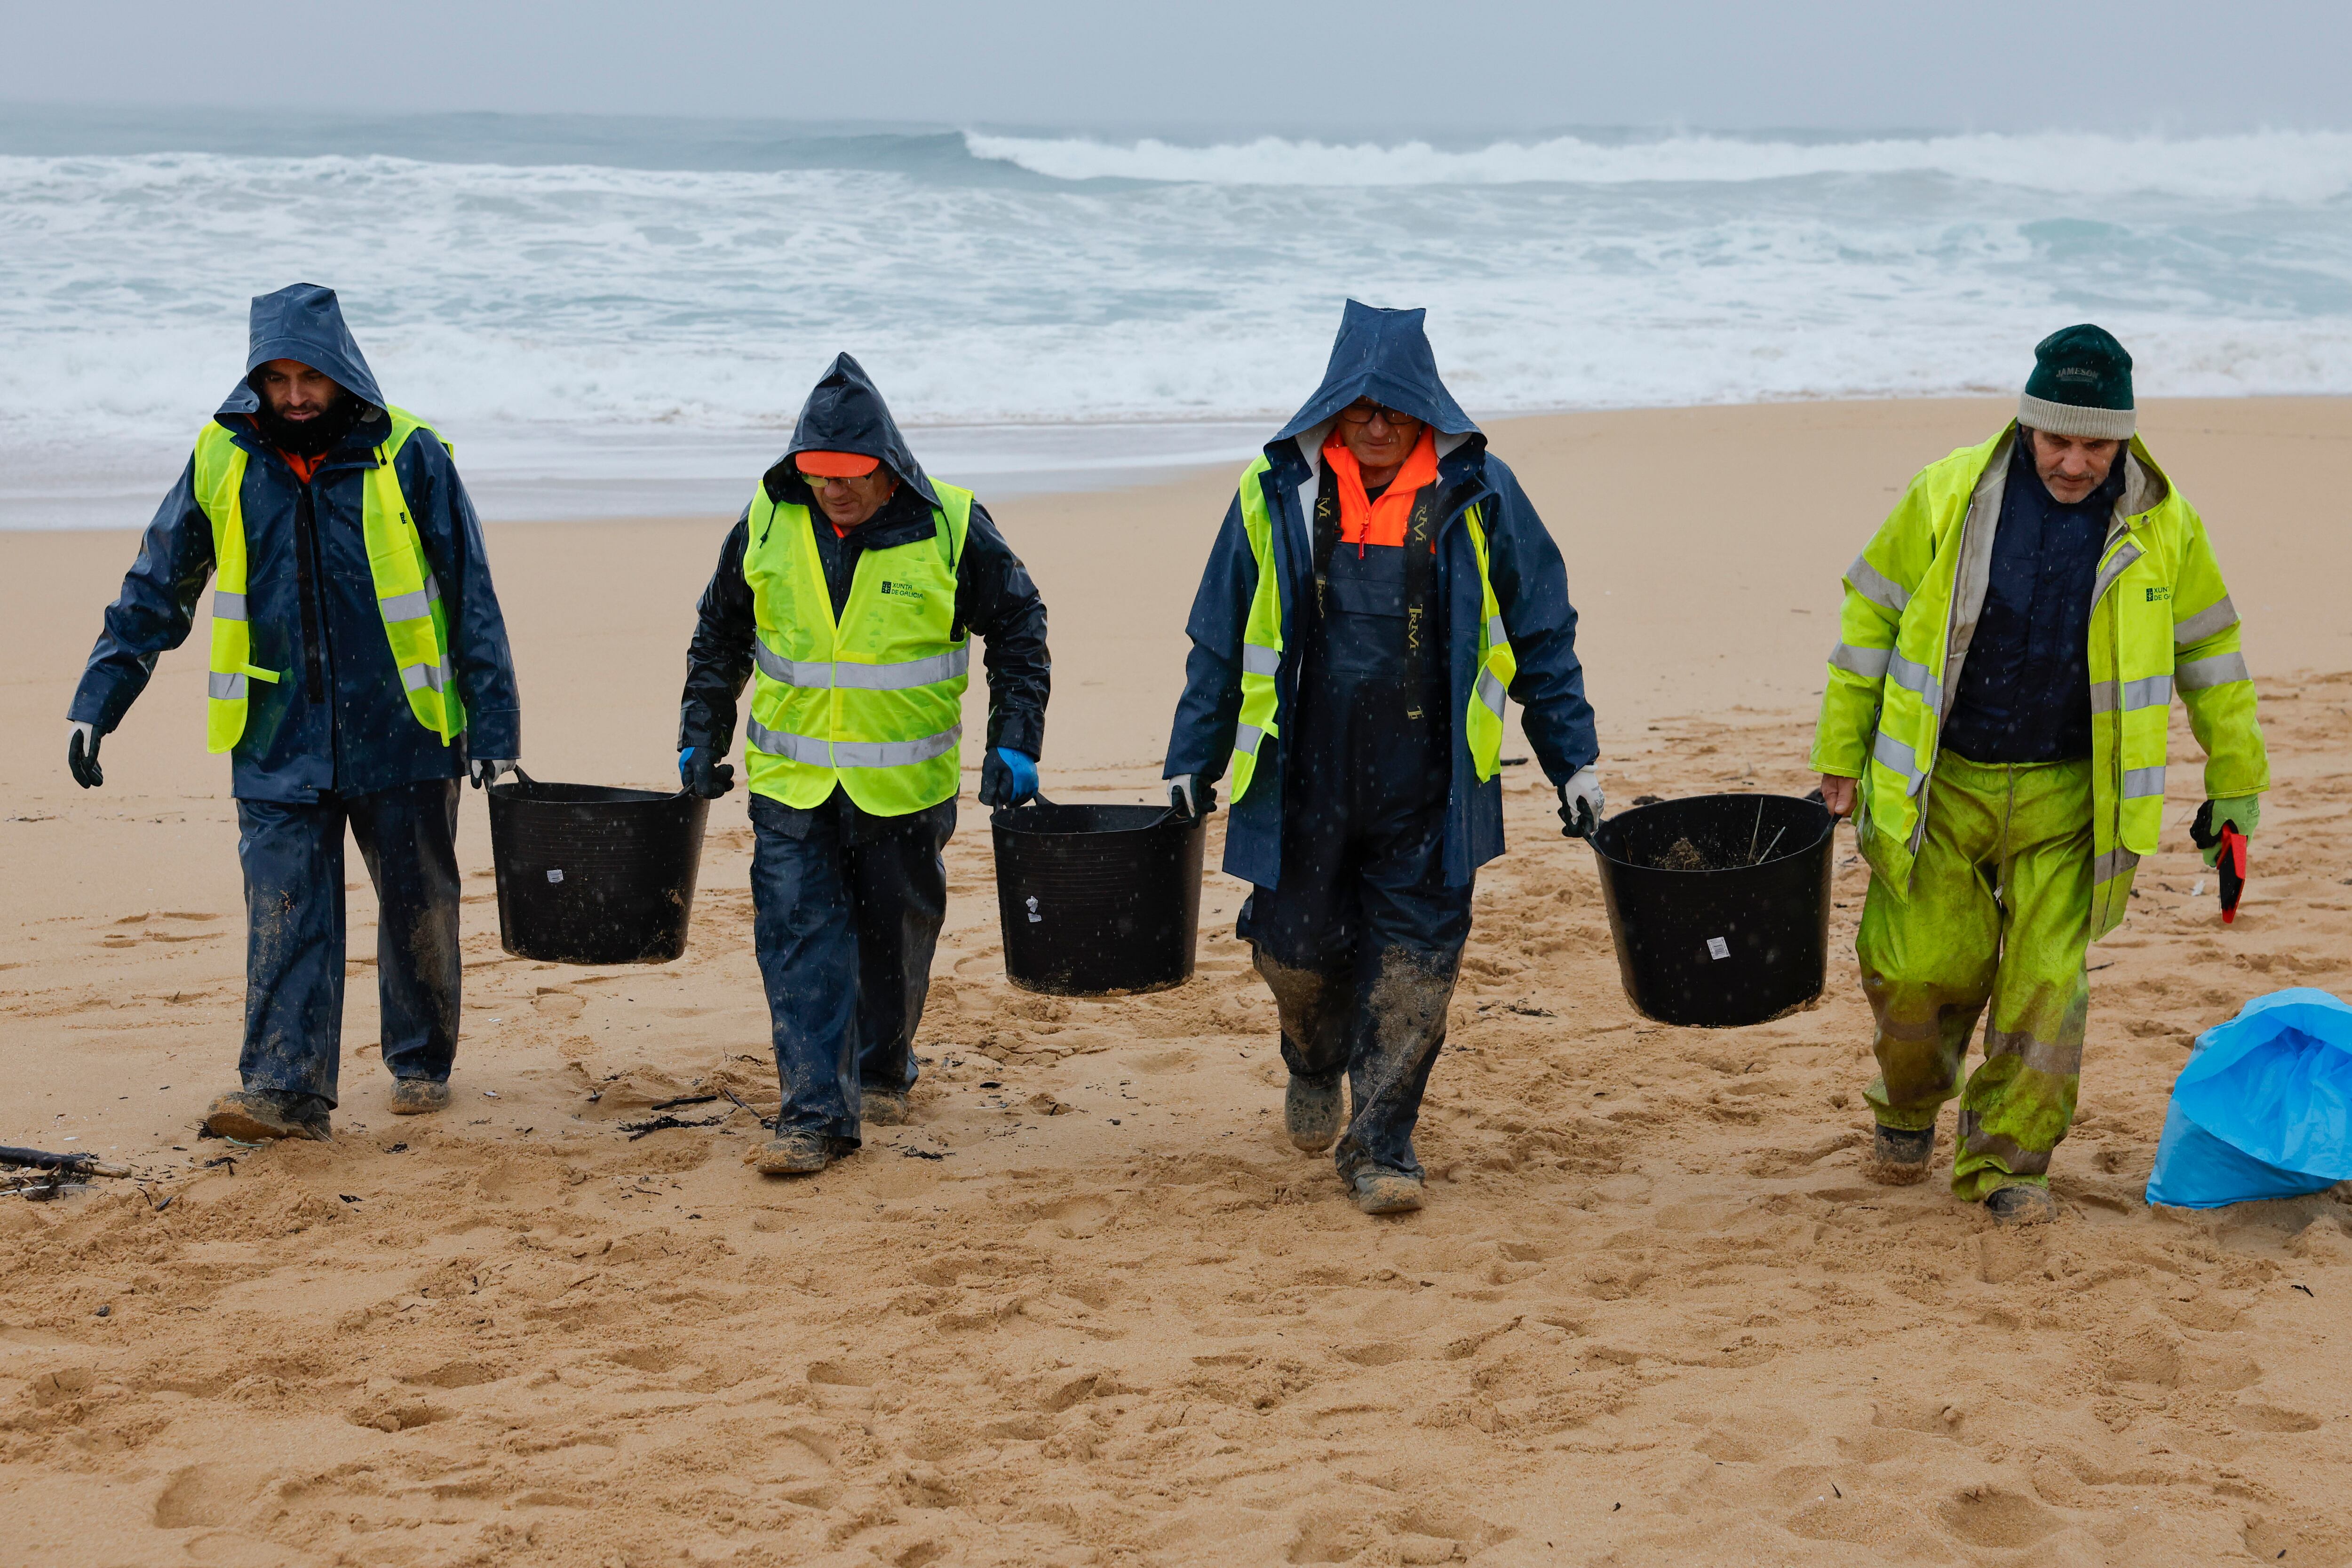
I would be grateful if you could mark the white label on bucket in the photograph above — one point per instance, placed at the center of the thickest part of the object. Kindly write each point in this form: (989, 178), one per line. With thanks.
(1035, 918)
(1717, 947)
(555, 876)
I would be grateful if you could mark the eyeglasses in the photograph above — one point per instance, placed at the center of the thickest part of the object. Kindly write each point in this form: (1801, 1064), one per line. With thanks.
(1357, 414)
(819, 482)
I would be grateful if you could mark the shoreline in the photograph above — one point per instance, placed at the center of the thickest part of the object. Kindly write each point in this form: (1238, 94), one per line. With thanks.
(1047, 457)
(1695, 595)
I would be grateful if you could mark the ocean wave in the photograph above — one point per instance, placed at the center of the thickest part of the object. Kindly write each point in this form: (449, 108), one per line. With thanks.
(652, 307)
(2273, 165)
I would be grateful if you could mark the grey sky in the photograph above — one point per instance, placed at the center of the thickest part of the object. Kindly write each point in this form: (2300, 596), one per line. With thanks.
(1346, 65)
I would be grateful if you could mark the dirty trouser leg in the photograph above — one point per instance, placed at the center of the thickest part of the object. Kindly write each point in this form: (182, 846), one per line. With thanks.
(1303, 937)
(408, 836)
(898, 884)
(293, 861)
(1928, 960)
(2021, 1100)
(807, 944)
(1406, 965)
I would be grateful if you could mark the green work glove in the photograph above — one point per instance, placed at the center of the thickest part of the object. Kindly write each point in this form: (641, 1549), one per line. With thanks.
(2245, 813)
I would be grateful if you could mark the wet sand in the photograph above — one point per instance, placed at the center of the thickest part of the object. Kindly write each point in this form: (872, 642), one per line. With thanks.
(1090, 1307)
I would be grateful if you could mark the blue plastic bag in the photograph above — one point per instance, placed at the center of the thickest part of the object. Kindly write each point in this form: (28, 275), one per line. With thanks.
(2263, 1110)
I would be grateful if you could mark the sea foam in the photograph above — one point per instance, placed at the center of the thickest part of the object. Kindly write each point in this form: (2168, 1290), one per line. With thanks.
(571, 324)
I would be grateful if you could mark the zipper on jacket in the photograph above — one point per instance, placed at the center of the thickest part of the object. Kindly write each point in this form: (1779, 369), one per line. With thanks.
(308, 579)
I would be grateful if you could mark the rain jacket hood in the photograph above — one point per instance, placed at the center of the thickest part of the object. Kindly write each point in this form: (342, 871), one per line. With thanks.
(1383, 355)
(846, 413)
(303, 322)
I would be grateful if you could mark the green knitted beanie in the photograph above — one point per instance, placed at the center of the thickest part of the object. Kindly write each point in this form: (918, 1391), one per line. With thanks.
(2081, 386)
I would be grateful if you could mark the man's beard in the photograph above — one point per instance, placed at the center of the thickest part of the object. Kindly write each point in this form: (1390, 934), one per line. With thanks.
(309, 438)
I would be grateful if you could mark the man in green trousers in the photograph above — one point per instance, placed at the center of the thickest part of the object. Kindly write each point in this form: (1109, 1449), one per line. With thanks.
(1996, 720)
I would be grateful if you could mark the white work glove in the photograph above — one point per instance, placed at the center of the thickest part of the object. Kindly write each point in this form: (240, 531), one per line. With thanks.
(486, 770)
(1191, 797)
(1580, 804)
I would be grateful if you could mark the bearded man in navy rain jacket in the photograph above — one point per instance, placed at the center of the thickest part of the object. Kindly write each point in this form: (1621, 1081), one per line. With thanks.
(358, 661)
(1379, 585)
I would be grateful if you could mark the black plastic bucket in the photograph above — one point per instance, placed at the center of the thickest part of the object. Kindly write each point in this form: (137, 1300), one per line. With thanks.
(592, 875)
(1717, 947)
(1097, 900)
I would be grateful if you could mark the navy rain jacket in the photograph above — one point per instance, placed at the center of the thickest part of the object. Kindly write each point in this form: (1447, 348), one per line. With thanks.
(994, 596)
(338, 720)
(1385, 355)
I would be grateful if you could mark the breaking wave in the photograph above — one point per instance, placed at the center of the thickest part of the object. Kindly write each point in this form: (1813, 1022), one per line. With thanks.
(572, 300)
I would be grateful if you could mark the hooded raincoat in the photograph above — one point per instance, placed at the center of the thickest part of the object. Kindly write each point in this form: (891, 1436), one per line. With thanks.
(1385, 355)
(339, 721)
(848, 906)
(994, 596)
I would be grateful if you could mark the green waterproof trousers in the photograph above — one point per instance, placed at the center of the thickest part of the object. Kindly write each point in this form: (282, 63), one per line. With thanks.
(1998, 911)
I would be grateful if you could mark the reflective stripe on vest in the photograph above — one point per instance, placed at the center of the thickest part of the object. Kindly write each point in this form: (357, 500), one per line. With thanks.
(823, 675)
(407, 597)
(1262, 648)
(871, 702)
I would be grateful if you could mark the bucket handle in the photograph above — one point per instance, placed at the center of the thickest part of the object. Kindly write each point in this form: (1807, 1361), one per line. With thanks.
(1168, 813)
(524, 782)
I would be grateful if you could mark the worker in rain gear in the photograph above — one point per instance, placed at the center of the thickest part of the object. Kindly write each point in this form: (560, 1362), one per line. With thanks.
(358, 667)
(1380, 582)
(1996, 718)
(849, 591)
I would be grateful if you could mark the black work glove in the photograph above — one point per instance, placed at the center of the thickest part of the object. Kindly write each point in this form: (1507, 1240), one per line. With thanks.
(81, 757)
(701, 775)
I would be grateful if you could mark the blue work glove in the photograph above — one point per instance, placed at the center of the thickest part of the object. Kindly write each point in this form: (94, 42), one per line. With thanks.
(1008, 777)
(701, 775)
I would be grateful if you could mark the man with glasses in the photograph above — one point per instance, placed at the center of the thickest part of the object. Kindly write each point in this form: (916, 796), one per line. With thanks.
(1381, 583)
(848, 593)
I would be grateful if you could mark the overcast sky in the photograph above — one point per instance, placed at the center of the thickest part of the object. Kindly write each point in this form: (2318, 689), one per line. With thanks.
(1344, 66)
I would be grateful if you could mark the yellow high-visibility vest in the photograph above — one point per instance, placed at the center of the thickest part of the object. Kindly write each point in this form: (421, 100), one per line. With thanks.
(407, 596)
(1482, 726)
(873, 701)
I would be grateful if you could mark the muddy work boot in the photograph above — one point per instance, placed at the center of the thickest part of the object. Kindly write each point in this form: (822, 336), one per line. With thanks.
(1386, 1192)
(792, 1154)
(1310, 1114)
(1897, 1158)
(256, 1115)
(2021, 1202)
(418, 1097)
(885, 1108)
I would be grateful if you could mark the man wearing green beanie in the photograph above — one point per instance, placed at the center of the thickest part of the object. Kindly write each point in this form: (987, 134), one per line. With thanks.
(1996, 721)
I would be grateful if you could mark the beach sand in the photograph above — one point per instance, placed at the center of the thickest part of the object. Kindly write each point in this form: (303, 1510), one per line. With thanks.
(1090, 1307)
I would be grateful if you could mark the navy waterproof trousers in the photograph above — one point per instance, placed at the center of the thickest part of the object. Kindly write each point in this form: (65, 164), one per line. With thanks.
(846, 911)
(293, 861)
(1362, 941)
